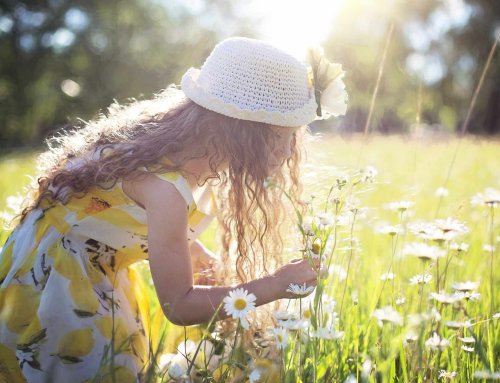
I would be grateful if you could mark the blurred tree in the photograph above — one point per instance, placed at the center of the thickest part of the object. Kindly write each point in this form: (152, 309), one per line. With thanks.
(62, 59)
(435, 58)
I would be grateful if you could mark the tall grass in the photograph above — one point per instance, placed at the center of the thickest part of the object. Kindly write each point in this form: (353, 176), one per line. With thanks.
(380, 330)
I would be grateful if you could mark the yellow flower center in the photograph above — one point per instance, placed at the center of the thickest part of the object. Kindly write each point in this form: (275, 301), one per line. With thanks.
(279, 337)
(240, 304)
(316, 248)
(307, 314)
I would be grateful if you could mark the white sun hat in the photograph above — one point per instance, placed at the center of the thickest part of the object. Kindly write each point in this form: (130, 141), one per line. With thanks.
(253, 80)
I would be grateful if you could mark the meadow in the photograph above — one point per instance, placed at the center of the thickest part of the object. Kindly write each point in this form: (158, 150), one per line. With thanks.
(409, 231)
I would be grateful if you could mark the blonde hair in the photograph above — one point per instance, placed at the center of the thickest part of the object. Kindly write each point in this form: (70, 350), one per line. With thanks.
(142, 133)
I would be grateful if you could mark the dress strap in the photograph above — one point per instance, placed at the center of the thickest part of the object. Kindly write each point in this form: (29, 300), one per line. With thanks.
(181, 184)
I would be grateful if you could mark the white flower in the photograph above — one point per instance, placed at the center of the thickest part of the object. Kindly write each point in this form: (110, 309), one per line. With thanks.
(489, 248)
(423, 251)
(369, 173)
(238, 304)
(254, 375)
(284, 315)
(281, 337)
(400, 301)
(391, 230)
(439, 230)
(467, 349)
(491, 198)
(435, 342)
(468, 295)
(295, 324)
(387, 276)
(410, 337)
(441, 192)
(420, 279)
(328, 333)
(325, 219)
(447, 299)
(187, 348)
(178, 367)
(388, 314)
(399, 205)
(334, 98)
(487, 375)
(300, 290)
(351, 379)
(308, 225)
(468, 340)
(366, 368)
(447, 375)
(458, 325)
(496, 315)
(465, 286)
(460, 247)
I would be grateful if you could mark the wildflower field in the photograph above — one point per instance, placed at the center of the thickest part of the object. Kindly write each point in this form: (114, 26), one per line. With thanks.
(409, 232)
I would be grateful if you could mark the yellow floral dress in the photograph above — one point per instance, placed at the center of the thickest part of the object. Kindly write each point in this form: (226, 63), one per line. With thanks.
(68, 286)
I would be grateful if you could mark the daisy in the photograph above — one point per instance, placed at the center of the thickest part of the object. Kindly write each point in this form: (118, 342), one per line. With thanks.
(447, 299)
(391, 230)
(489, 248)
(281, 337)
(387, 276)
(410, 337)
(465, 286)
(254, 375)
(368, 173)
(423, 251)
(467, 349)
(468, 295)
(441, 192)
(400, 301)
(238, 304)
(328, 333)
(399, 205)
(459, 247)
(300, 290)
(420, 279)
(388, 314)
(435, 343)
(447, 375)
(325, 219)
(468, 340)
(458, 325)
(309, 225)
(491, 198)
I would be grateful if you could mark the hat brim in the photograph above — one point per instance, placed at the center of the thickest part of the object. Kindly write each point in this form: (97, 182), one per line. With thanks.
(194, 91)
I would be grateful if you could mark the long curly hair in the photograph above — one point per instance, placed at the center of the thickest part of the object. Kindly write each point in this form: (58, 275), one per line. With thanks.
(144, 133)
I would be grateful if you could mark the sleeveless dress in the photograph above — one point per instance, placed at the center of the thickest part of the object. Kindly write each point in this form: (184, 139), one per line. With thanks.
(72, 305)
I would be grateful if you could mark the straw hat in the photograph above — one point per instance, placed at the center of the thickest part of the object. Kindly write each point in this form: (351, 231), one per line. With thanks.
(253, 80)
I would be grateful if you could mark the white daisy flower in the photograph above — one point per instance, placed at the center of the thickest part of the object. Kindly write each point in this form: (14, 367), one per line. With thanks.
(468, 340)
(467, 349)
(465, 286)
(300, 290)
(399, 205)
(468, 295)
(254, 375)
(420, 279)
(391, 230)
(328, 333)
(410, 337)
(441, 192)
(400, 301)
(458, 325)
(423, 251)
(281, 337)
(238, 304)
(368, 173)
(459, 247)
(447, 299)
(387, 276)
(388, 314)
(309, 225)
(436, 343)
(490, 375)
(295, 324)
(325, 219)
(490, 198)
(489, 248)
(496, 315)
(447, 374)
(178, 367)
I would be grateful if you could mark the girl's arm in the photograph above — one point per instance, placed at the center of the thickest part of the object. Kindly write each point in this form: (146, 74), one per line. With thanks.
(183, 302)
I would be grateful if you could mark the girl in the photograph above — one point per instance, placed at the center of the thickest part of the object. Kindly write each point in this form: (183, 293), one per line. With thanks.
(135, 185)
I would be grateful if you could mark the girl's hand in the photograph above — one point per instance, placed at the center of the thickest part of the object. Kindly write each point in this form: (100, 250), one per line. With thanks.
(204, 264)
(298, 271)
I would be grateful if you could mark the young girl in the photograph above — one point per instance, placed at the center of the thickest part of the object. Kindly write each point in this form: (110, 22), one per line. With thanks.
(135, 185)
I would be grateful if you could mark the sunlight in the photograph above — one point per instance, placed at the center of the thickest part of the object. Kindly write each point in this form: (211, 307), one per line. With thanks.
(294, 26)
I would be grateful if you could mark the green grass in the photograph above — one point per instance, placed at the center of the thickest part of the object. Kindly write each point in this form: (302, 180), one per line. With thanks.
(409, 170)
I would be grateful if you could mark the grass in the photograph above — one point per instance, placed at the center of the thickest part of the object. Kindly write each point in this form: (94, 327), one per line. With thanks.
(410, 170)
